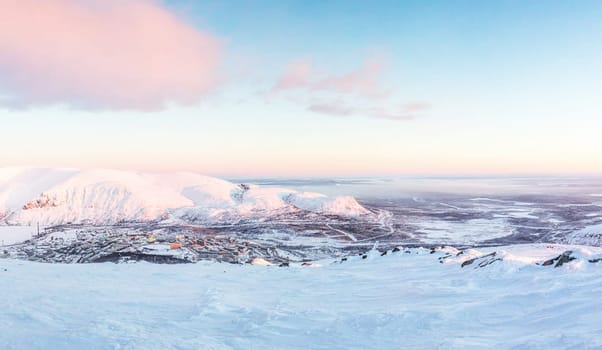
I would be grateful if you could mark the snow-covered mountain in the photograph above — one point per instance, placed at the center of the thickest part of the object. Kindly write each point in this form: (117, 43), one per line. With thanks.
(58, 196)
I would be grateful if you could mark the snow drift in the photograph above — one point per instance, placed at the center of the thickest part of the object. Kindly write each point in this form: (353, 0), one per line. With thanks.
(59, 196)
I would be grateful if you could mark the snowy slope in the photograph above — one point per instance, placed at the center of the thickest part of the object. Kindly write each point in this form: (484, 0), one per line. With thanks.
(398, 301)
(590, 235)
(56, 196)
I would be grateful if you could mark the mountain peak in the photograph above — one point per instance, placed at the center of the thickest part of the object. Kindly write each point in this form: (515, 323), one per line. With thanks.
(104, 196)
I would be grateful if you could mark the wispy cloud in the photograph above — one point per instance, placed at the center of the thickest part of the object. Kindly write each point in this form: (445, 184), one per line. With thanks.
(359, 92)
(297, 75)
(363, 81)
(102, 54)
(338, 108)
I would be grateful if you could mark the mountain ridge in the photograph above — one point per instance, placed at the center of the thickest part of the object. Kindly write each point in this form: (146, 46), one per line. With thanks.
(53, 196)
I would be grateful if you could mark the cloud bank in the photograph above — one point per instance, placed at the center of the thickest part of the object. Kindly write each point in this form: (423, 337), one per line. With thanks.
(102, 54)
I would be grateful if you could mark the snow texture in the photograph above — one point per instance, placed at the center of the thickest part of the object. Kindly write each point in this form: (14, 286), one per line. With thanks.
(590, 235)
(397, 301)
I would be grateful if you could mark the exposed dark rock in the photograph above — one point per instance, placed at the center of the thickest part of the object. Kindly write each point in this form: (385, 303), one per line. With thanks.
(560, 259)
(467, 262)
(488, 262)
(471, 261)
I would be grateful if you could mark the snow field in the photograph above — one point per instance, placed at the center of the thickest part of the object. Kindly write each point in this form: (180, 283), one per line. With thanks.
(400, 300)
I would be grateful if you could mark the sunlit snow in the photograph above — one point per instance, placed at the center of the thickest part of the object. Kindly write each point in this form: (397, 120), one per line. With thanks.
(400, 300)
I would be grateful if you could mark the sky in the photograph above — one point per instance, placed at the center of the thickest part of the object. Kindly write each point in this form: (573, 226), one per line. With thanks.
(303, 88)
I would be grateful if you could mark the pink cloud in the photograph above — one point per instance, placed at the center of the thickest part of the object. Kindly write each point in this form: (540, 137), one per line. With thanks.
(296, 75)
(415, 107)
(363, 81)
(105, 54)
(358, 92)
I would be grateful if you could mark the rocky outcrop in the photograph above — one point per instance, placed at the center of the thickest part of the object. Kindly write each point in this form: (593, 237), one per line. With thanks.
(560, 259)
(482, 261)
(44, 201)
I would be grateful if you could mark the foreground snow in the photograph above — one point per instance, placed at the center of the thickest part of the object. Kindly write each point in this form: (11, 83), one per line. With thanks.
(405, 299)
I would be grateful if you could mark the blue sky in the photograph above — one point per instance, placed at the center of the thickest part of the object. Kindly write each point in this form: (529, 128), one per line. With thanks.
(502, 87)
